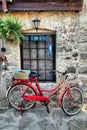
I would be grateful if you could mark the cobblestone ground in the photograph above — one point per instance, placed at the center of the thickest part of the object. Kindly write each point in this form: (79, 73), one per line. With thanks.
(39, 119)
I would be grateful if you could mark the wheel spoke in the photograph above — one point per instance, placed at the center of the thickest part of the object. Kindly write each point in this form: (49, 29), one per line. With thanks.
(73, 101)
(15, 97)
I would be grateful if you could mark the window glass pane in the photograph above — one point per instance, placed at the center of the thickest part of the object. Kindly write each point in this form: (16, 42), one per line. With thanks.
(42, 77)
(26, 54)
(26, 45)
(33, 54)
(41, 64)
(41, 54)
(41, 45)
(33, 64)
(49, 64)
(47, 43)
(49, 76)
(32, 44)
(26, 64)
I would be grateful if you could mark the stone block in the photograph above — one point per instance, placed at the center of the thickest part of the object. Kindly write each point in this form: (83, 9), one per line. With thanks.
(71, 69)
(78, 125)
(83, 70)
(83, 56)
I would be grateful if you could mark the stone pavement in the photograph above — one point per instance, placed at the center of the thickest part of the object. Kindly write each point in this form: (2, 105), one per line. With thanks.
(39, 119)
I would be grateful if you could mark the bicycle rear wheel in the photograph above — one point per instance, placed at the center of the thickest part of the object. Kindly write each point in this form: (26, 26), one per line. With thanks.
(73, 104)
(15, 97)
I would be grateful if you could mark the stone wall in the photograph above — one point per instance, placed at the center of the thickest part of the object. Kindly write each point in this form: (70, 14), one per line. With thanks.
(71, 41)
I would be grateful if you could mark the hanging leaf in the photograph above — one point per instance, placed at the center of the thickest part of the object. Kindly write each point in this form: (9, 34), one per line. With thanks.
(11, 29)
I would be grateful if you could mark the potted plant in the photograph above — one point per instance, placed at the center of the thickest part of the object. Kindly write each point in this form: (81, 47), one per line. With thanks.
(11, 30)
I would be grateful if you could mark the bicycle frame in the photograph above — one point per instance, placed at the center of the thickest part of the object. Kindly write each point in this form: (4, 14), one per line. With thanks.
(40, 92)
(23, 94)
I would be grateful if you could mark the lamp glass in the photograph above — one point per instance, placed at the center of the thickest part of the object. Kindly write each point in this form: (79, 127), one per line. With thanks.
(36, 23)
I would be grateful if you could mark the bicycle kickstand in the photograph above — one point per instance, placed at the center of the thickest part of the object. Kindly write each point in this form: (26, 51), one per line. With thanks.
(46, 107)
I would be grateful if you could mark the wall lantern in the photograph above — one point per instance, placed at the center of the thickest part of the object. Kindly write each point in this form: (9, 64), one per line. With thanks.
(36, 23)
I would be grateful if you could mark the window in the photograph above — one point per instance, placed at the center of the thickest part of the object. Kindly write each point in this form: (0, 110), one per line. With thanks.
(38, 55)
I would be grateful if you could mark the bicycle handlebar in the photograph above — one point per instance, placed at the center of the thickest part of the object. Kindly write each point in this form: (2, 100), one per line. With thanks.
(54, 71)
(63, 73)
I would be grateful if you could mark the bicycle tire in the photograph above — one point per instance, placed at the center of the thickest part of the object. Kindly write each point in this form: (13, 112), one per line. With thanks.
(73, 107)
(15, 98)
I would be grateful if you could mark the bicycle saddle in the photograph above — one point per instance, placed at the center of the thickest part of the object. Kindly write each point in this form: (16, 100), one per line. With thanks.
(34, 74)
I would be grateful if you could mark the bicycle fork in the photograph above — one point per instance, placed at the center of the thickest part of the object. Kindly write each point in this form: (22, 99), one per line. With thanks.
(69, 94)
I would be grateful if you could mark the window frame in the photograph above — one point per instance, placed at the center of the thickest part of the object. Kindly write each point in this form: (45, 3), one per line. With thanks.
(53, 60)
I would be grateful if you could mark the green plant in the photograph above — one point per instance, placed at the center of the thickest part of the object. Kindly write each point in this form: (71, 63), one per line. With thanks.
(11, 29)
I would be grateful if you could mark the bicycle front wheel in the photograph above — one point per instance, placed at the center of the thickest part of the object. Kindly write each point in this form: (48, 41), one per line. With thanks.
(15, 97)
(72, 102)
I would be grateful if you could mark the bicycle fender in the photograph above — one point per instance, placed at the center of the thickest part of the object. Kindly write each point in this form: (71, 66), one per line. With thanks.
(7, 91)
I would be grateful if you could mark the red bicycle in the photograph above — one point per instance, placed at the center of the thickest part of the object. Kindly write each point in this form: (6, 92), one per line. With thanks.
(23, 94)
